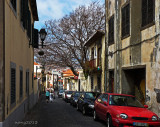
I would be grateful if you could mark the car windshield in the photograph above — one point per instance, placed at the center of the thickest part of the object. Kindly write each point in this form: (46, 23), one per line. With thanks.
(120, 100)
(61, 91)
(90, 95)
(69, 92)
(77, 94)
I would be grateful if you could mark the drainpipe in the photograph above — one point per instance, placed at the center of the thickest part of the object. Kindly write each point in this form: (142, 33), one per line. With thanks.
(106, 75)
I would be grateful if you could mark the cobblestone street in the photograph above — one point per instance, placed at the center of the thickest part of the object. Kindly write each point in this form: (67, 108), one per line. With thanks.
(57, 114)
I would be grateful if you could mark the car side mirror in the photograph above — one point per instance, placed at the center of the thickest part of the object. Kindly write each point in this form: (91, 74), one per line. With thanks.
(105, 103)
(145, 106)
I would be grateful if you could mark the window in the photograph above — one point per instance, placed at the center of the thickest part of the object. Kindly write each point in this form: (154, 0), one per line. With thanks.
(14, 4)
(27, 82)
(13, 85)
(105, 98)
(29, 24)
(92, 53)
(99, 56)
(92, 83)
(111, 31)
(32, 79)
(125, 21)
(21, 83)
(24, 13)
(147, 12)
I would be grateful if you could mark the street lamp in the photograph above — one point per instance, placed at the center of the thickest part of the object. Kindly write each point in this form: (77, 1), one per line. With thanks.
(43, 34)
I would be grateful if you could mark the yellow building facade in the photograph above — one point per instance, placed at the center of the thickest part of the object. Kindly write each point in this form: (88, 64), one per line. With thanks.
(16, 60)
(132, 36)
(96, 62)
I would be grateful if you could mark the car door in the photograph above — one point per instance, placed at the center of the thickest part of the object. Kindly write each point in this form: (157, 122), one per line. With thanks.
(80, 103)
(96, 105)
(103, 107)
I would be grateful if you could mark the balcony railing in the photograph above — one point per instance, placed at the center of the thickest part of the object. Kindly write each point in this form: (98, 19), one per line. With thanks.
(92, 63)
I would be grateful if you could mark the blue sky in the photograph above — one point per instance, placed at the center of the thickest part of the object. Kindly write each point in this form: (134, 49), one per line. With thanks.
(56, 9)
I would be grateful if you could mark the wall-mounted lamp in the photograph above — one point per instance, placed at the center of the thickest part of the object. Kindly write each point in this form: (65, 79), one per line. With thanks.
(43, 34)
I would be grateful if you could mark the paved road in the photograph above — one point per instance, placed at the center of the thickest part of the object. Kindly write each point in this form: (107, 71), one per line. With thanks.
(58, 114)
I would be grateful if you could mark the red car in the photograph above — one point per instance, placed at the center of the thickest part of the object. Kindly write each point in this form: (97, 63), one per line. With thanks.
(122, 110)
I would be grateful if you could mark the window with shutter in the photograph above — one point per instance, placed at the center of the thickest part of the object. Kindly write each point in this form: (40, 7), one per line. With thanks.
(111, 31)
(21, 83)
(13, 85)
(148, 7)
(35, 38)
(29, 24)
(14, 4)
(27, 82)
(125, 21)
(32, 79)
(23, 12)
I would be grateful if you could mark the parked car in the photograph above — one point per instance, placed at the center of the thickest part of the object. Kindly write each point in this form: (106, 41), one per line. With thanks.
(85, 102)
(68, 95)
(60, 93)
(123, 110)
(74, 98)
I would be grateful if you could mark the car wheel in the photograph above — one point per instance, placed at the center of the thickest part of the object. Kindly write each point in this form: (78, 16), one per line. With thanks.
(109, 121)
(83, 111)
(95, 115)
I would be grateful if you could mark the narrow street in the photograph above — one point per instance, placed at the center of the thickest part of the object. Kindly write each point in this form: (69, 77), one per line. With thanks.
(57, 114)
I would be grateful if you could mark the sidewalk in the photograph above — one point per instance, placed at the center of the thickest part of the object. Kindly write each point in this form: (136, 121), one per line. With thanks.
(32, 117)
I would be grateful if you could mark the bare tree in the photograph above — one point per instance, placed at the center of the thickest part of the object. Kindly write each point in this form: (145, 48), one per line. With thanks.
(66, 37)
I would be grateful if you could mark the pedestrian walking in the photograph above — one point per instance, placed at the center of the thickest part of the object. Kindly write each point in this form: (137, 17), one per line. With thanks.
(47, 95)
(54, 94)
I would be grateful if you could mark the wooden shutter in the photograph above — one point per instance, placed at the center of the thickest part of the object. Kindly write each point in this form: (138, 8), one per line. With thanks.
(13, 85)
(35, 38)
(21, 83)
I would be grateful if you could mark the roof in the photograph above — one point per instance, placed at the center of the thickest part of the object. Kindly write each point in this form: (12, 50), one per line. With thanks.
(68, 73)
(98, 34)
(36, 63)
(33, 4)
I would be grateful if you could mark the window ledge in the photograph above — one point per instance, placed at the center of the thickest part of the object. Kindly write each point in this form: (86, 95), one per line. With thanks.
(13, 10)
(110, 43)
(148, 25)
(126, 36)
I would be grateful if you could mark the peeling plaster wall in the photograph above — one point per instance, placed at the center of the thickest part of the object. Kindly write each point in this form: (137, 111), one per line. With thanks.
(125, 53)
(111, 58)
(140, 50)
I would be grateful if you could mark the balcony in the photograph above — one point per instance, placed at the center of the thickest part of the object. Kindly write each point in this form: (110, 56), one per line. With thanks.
(92, 63)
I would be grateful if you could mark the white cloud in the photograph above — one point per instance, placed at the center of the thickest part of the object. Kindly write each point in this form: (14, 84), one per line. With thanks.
(55, 9)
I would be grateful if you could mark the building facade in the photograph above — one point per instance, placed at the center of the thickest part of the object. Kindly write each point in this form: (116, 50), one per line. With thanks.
(95, 65)
(17, 19)
(133, 42)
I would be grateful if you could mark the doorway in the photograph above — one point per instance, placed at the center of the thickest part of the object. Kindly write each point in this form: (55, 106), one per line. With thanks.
(133, 83)
(111, 81)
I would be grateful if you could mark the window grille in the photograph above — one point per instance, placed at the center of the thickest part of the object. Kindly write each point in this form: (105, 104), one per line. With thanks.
(13, 85)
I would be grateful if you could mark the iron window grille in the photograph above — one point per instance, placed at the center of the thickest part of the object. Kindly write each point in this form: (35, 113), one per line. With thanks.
(13, 85)
(21, 83)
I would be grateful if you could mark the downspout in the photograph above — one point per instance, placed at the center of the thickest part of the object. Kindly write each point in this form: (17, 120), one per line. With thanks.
(106, 75)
